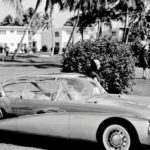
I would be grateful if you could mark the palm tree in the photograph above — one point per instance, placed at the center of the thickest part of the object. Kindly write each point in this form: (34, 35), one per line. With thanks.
(99, 12)
(21, 41)
(87, 6)
(79, 6)
(27, 28)
(132, 11)
(46, 23)
(49, 5)
(17, 4)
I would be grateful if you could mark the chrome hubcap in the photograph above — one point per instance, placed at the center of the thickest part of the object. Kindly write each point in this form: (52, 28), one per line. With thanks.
(116, 137)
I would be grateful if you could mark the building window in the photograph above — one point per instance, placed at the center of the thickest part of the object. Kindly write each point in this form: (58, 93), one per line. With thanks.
(57, 44)
(114, 33)
(56, 34)
(20, 32)
(2, 32)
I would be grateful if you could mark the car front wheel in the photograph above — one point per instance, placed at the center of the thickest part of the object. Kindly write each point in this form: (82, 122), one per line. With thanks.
(116, 137)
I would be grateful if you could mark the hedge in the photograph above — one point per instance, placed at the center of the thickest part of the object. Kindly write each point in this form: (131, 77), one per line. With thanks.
(117, 62)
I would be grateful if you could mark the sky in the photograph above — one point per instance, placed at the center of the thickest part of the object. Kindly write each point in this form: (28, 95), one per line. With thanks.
(59, 18)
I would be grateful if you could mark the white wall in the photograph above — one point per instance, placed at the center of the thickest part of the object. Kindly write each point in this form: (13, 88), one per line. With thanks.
(37, 39)
(12, 38)
(64, 35)
(46, 38)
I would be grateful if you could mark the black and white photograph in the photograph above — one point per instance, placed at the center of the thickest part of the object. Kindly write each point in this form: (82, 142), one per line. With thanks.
(74, 74)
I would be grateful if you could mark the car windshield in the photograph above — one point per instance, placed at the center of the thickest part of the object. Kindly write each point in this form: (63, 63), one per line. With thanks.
(83, 88)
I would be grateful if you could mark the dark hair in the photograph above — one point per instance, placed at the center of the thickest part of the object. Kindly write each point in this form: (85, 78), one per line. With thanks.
(93, 65)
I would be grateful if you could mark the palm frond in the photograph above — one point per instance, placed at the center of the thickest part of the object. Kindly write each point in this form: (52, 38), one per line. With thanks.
(47, 5)
(37, 5)
(17, 4)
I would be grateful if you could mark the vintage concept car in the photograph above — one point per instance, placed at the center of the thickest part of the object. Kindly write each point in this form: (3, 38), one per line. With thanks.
(74, 106)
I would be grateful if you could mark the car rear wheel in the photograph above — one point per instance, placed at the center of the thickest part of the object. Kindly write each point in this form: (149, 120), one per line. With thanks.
(116, 137)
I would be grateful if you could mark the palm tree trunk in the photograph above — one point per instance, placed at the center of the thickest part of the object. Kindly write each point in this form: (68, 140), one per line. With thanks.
(82, 34)
(129, 29)
(52, 36)
(127, 35)
(21, 41)
(100, 29)
(73, 30)
(125, 27)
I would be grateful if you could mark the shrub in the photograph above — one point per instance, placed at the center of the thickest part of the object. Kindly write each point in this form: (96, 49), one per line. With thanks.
(34, 49)
(117, 62)
(56, 50)
(44, 48)
(1, 49)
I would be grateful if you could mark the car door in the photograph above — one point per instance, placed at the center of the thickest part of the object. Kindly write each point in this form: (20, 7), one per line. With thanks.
(49, 115)
(82, 121)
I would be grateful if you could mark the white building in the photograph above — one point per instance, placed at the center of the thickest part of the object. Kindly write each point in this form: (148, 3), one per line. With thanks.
(11, 35)
(35, 41)
(61, 37)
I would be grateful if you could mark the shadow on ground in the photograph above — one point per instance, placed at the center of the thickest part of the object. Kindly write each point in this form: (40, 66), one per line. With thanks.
(31, 60)
(45, 142)
(38, 65)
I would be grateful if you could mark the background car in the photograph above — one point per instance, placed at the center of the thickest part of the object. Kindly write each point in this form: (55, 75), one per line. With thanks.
(74, 106)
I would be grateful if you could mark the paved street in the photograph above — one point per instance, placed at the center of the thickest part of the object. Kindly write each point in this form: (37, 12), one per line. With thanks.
(26, 65)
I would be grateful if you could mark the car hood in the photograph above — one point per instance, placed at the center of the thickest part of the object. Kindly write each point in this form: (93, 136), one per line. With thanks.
(130, 105)
(133, 99)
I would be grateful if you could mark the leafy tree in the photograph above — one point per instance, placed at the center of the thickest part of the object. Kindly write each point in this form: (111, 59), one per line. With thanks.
(8, 20)
(17, 22)
(27, 15)
(131, 12)
(69, 22)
